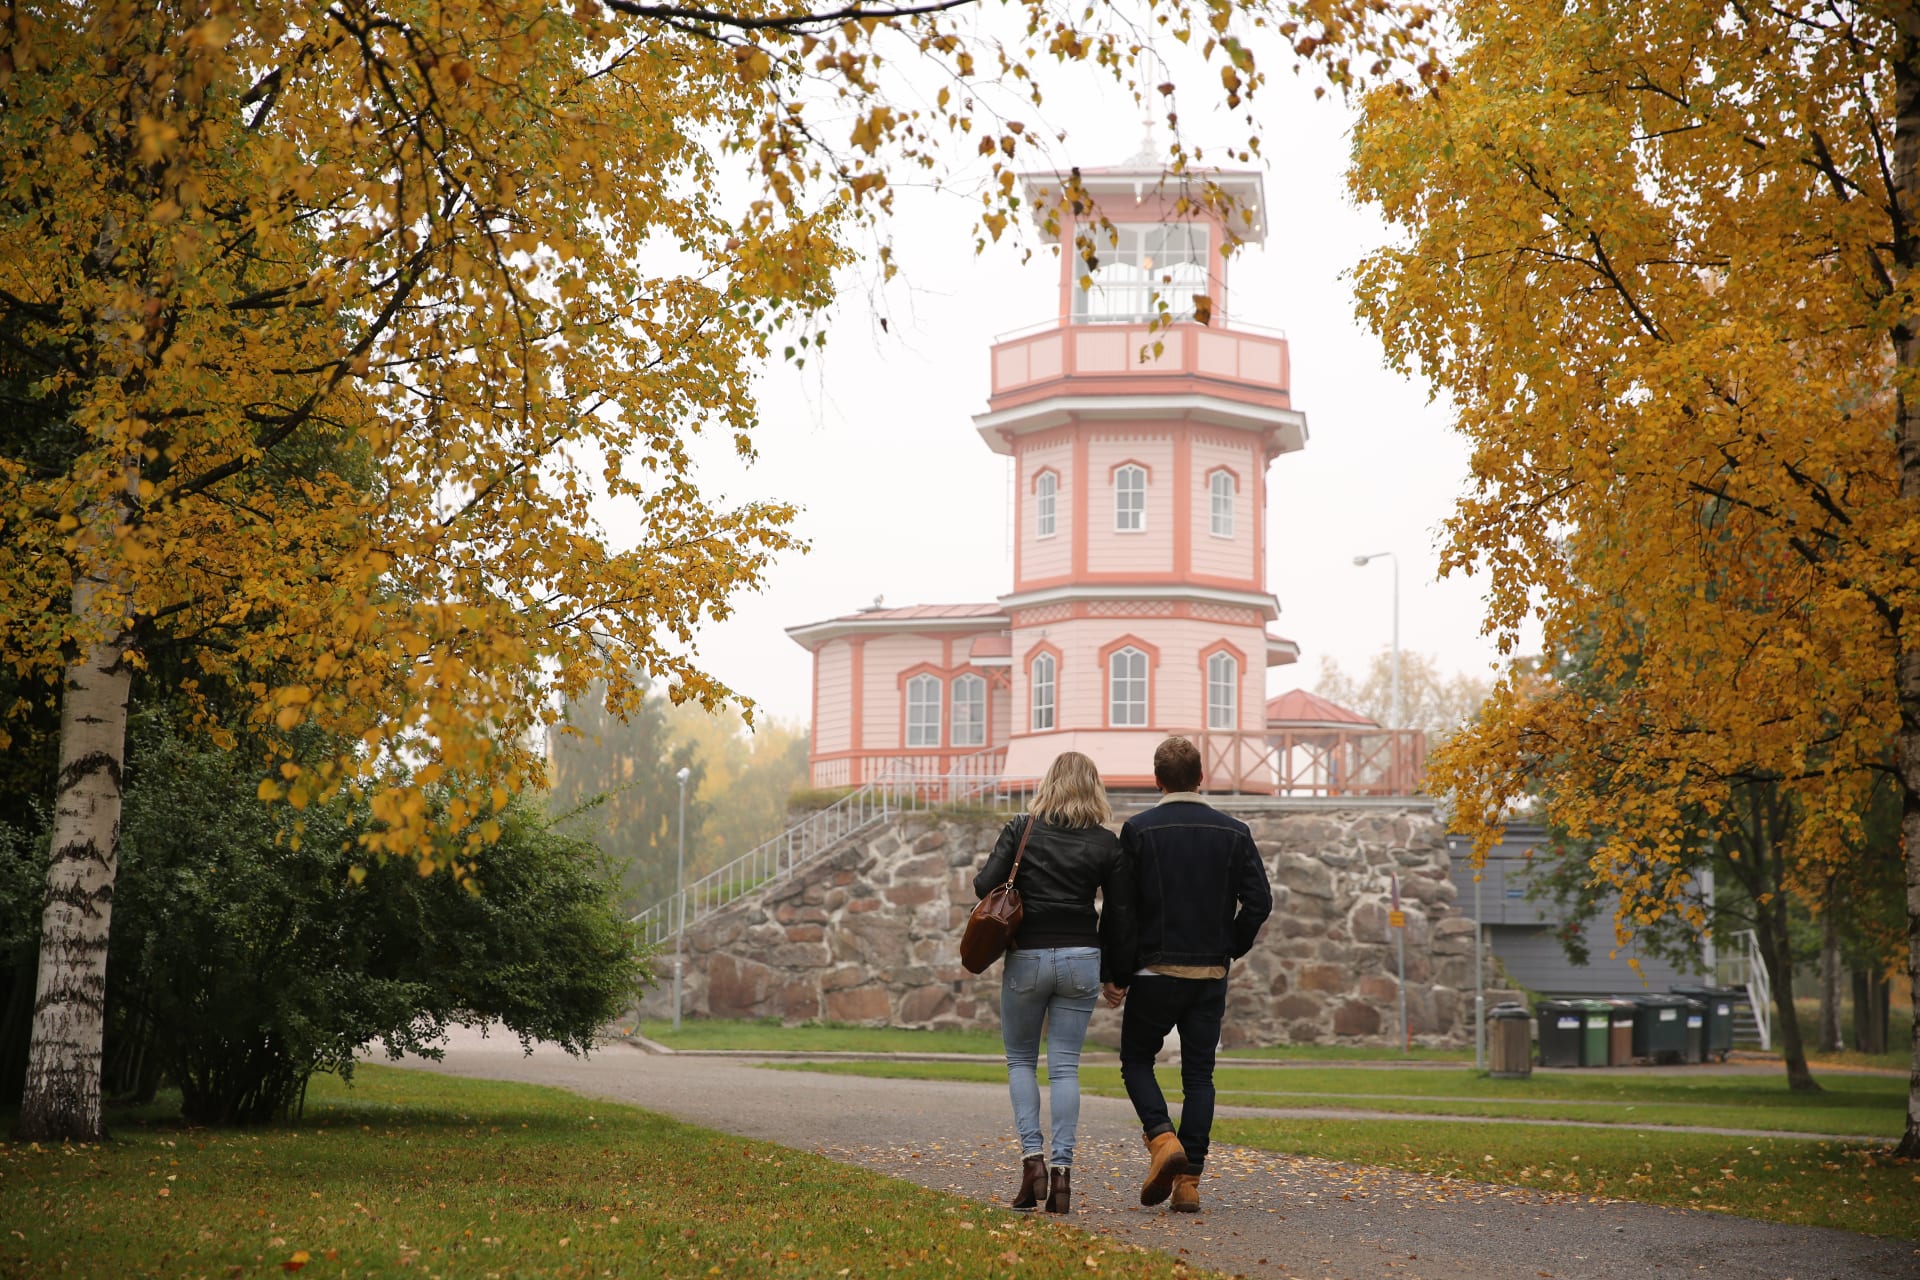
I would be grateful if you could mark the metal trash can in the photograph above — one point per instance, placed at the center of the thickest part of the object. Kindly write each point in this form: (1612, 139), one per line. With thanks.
(1696, 1050)
(1720, 1002)
(1596, 1029)
(1620, 1033)
(1509, 1042)
(1562, 1024)
(1660, 1027)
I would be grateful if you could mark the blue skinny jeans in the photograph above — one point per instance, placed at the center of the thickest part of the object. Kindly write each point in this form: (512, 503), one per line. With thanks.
(1058, 986)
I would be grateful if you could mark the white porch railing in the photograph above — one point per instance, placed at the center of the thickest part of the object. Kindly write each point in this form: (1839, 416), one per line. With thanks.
(824, 830)
(1749, 969)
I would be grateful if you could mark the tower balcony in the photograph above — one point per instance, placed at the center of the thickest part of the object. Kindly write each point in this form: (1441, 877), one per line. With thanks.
(1051, 373)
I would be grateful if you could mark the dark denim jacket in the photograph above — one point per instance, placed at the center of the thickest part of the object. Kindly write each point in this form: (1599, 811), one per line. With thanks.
(1201, 891)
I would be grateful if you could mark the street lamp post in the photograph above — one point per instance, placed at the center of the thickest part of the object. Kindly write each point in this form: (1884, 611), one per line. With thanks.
(1394, 721)
(680, 895)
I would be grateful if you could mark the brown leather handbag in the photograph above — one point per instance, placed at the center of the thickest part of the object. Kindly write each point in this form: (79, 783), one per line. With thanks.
(995, 918)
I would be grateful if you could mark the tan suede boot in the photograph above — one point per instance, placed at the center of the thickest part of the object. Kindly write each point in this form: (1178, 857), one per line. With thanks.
(1186, 1193)
(1167, 1160)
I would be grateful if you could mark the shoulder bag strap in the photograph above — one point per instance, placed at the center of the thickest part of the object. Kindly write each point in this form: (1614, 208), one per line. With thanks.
(1020, 851)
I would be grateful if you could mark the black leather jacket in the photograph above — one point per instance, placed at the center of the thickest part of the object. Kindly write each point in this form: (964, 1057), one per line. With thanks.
(1203, 890)
(1059, 873)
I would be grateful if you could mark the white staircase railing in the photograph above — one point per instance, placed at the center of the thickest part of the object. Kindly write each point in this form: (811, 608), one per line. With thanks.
(1749, 969)
(822, 831)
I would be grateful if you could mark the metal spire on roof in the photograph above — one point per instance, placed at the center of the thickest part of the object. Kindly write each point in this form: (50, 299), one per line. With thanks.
(1148, 156)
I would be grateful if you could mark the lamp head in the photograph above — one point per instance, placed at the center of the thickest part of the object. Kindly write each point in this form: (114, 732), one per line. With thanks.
(1361, 559)
(683, 775)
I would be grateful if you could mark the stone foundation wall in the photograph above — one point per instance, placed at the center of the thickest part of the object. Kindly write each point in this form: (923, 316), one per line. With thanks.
(870, 934)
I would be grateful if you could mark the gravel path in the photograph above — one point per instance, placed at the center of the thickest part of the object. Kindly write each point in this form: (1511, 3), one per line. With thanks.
(1265, 1214)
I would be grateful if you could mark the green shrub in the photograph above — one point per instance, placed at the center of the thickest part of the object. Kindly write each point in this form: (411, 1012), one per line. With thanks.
(245, 957)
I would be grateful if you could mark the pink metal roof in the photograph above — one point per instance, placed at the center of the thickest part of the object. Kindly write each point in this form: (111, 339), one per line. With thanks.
(1297, 706)
(930, 617)
(994, 646)
(916, 612)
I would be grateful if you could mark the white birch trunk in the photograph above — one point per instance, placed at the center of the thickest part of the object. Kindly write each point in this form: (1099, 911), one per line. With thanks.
(62, 1099)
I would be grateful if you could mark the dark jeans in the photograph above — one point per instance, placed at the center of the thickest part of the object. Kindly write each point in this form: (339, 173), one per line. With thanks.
(1155, 1006)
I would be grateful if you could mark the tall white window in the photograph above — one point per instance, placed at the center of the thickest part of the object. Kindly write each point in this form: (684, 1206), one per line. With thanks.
(1222, 485)
(1040, 691)
(1140, 268)
(1130, 499)
(1223, 692)
(969, 711)
(1127, 687)
(923, 711)
(1046, 488)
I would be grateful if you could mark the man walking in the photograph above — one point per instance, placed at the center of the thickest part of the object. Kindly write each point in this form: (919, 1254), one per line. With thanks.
(1200, 897)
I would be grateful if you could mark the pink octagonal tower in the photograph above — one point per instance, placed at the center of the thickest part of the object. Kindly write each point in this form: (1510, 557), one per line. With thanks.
(1139, 605)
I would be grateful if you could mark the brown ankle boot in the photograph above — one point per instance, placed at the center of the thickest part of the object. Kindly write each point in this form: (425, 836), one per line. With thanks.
(1167, 1160)
(1186, 1193)
(1060, 1192)
(1033, 1182)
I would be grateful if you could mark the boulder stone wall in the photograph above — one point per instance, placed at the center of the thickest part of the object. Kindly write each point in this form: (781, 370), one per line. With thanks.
(870, 933)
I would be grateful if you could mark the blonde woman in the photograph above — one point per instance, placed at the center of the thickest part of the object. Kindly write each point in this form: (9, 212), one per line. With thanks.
(1054, 971)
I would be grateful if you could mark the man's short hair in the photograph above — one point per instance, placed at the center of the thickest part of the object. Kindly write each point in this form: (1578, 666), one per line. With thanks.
(1176, 765)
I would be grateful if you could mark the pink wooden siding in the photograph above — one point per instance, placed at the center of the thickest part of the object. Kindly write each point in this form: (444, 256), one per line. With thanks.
(1177, 695)
(1150, 551)
(1246, 366)
(1042, 558)
(1224, 557)
(833, 697)
(886, 657)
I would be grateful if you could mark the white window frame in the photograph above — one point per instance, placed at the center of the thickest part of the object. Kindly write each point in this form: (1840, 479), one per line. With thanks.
(1223, 500)
(1124, 709)
(1040, 693)
(1046, 490)
(1223, 691)
(924, 696)
(1130, 498)
(968, 694)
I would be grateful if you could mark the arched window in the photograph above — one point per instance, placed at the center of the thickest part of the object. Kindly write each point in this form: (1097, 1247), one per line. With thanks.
(1045, 488)
(1127, 687)
(923, 711)
(969, 711)
(1223, 692)
(1222, 485)
(1130, 499)
(1040, 691)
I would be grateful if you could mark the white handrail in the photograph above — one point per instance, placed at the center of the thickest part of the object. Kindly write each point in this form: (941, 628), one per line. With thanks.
(821, 831)
(1759, 986)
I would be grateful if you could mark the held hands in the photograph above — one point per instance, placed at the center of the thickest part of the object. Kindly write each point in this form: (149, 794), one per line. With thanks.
(1112, 994)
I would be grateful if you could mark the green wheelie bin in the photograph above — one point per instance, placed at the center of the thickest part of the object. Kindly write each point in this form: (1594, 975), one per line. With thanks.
(1596, 1028)
(1660, 1027)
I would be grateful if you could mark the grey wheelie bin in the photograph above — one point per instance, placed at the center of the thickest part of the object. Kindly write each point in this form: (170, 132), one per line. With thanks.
(1696, 1030)
(1720, 1002)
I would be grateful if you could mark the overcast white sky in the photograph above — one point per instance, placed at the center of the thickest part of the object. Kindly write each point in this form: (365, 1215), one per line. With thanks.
(903, 499)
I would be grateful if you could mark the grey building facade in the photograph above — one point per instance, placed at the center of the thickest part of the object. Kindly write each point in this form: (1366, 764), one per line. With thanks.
(1524, 933)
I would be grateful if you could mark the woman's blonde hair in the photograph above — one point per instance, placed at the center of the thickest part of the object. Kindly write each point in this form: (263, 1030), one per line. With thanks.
(1072, 794)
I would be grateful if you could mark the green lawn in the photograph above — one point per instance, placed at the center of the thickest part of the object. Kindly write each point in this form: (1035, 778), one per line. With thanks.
(1777, 1180)
(1851, 1104)
(814, 1037)
(768, 1036)
(418, 1175)
(1347, 1053)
